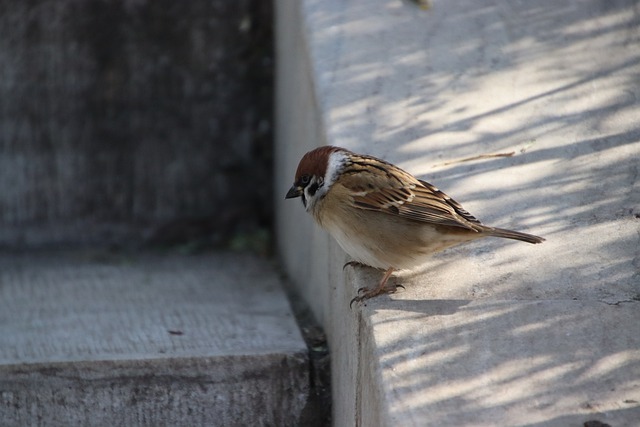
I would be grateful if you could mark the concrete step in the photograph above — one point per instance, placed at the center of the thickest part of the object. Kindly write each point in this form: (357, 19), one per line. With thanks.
(98, 339)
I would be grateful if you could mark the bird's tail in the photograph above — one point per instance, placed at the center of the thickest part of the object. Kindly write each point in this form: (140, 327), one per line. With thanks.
(515, 235)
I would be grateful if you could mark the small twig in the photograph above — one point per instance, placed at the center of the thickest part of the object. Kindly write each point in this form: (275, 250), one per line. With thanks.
(478, 157)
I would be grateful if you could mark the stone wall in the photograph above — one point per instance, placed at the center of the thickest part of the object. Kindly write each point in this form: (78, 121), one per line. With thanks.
(126, 121)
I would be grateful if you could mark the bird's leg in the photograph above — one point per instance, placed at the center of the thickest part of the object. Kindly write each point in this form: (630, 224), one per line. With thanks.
(382, 288)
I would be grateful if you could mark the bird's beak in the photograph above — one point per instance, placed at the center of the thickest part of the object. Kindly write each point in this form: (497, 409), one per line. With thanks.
(294, 192)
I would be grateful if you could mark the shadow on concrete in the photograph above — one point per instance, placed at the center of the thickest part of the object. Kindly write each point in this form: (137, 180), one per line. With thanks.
(557, 84)
(488, 360)
(565, 79)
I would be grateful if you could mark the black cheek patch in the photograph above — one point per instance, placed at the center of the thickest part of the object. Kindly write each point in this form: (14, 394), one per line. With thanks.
(313, 188)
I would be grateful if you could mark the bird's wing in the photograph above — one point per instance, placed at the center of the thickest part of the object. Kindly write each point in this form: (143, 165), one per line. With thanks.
(457, 207)
(396, 192)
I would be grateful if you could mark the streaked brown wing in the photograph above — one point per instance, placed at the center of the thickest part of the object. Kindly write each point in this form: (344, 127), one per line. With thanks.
(396, 192)
(457, 207)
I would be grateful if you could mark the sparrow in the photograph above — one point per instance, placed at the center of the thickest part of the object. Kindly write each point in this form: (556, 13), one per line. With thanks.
(381, 215)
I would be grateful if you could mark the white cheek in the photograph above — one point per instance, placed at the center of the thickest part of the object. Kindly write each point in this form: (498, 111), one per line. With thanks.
(336, 162)
(310, 201)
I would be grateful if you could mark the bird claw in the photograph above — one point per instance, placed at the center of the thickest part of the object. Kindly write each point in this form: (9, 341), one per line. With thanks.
(353, 264)
(370, 293)
(388, 289)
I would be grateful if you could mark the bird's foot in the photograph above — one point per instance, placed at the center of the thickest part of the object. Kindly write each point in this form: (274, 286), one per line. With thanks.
(367, 293)
(353, 264)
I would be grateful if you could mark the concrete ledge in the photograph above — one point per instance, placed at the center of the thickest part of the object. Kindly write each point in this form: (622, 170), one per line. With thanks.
(470, 363)
(99, 339)
(493, 333)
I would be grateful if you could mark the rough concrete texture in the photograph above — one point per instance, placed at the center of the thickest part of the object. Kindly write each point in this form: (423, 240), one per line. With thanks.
(94, 339)
(487, 362)
(119, 116)
(496, 332)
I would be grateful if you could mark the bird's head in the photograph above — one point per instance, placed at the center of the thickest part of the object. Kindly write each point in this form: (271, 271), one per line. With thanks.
(316, 173)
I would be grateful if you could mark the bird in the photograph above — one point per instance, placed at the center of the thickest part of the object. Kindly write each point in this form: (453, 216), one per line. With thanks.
(382, 216)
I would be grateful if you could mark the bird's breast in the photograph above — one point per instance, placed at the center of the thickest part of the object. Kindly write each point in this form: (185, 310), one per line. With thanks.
(382, 240)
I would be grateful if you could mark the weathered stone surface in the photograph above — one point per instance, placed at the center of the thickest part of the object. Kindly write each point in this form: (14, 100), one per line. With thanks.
(95, 339)
(117, 117)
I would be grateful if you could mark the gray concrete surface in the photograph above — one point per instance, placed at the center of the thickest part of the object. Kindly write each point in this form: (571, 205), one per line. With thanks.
(486, 362)
(118, 117)
(100, 339)
(494, 333)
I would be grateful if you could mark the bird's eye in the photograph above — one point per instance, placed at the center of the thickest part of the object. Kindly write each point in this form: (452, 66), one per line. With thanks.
(304, 179)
